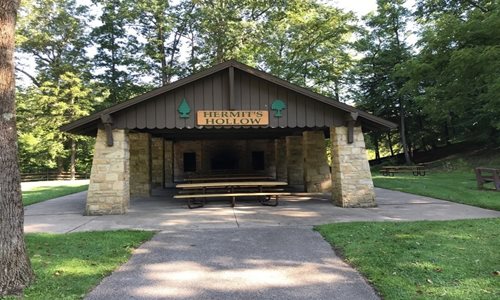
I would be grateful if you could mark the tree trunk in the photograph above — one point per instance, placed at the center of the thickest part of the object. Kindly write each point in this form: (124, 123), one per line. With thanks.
(15, 270)
(161, 51)
(402, 133)
(72, 165)
(389, 140)
(377, 147)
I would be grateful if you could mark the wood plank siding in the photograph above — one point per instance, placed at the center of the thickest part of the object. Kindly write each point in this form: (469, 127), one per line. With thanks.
(227, 86)
(212, 93)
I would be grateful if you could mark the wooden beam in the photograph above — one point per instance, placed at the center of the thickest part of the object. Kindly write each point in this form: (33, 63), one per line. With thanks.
(108, 127)
(232, 104)
(350, 127)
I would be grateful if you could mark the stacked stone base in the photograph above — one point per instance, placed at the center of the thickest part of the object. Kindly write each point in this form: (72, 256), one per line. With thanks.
(108, 192)
(316, 170)
(136, 161)
(351, 176)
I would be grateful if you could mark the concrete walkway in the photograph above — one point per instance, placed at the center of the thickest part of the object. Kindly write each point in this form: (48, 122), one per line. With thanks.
(246, 252)
(161, 212)
(250, 263)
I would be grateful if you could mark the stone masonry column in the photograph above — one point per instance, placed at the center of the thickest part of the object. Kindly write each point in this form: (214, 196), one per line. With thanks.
(295, 162)
(140, 164)
(169, 164)
(108, 192)
(352, 184)
(280, 152)
(157, 162)
(316, 170)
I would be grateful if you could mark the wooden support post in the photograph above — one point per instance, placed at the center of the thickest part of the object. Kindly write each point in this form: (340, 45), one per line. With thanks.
(350, 127)
(108, 127)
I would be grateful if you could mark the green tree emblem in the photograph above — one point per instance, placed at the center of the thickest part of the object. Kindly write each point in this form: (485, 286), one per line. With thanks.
(278, 106)
(184, 109)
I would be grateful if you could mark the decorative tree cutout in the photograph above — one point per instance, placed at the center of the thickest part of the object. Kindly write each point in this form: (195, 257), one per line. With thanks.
(278, 106)
(184, 109)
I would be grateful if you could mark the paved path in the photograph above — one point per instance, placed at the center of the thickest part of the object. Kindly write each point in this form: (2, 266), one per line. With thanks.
(163, 213)
(246, 252)
(245, 263)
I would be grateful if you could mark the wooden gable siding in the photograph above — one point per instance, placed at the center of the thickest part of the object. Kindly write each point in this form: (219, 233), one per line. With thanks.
(212, 93)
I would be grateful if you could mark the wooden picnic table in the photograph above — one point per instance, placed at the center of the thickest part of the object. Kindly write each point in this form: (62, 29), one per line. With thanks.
(235, 178)
(231, 189)
(416, 170)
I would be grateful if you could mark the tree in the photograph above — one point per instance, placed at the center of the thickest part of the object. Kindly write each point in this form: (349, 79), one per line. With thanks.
(43, 109)
(456, 74)
(307, 43)
(380, 75)
(56, 35)
(118, 61)
(15, 270)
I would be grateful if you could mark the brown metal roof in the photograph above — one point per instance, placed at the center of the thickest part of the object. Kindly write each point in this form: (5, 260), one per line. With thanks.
(227, 86)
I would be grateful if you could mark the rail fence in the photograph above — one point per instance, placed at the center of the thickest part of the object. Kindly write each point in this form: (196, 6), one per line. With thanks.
(51, 175)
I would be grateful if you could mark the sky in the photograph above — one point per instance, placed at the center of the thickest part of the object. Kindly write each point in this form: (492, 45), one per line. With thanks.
(360, 7)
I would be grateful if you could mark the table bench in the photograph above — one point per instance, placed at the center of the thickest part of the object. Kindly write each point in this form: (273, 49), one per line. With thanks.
(223, 178)
(232, 189)
(267, 201)
(415, 170)
(485, 175)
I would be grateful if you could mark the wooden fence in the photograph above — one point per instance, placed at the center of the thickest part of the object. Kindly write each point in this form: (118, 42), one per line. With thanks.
(51, 175)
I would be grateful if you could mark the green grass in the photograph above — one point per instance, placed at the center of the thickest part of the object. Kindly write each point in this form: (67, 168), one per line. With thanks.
(42, 193)
(68, 266)
(456, 186)
(423, 260)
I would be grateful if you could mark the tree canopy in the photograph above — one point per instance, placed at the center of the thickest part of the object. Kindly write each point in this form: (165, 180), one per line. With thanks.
(432, 68)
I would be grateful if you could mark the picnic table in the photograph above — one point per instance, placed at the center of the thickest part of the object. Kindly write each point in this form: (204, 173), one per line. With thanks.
(416, 170)
(225, 178)
(484, 175)
(232, 189)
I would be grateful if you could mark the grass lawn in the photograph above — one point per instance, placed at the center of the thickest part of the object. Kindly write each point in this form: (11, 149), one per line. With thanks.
(423, 260)
(456, 186)
(68, 266)
(42, 193)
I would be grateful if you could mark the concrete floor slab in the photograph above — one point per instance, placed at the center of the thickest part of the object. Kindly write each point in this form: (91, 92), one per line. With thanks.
(274, 263)
(162, 212)
(247, 252)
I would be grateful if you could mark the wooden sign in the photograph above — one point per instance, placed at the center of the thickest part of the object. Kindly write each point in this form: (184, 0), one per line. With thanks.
(232, 117)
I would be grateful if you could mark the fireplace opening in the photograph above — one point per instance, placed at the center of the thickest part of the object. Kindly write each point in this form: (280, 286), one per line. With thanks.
(258, 160)
(189, 162)
(224, 161)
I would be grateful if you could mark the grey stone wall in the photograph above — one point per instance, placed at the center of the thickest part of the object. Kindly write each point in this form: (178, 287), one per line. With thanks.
(169, 163)
(108, 191)
(157, 162)
(295, 162)
(140, 164)
(280, 151)
(352, 184)
(239, 151)
(316, 169)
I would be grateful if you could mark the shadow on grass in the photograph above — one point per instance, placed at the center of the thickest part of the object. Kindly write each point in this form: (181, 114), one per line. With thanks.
(423, 260)
(43, 193)
(68, 266)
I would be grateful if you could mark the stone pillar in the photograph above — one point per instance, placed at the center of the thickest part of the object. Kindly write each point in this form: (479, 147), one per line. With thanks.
(108, 192)
(140, 164)
(352, 184)
(157, 162)
(280, 151)
(316, 170)
(295, 162)
(169, 164)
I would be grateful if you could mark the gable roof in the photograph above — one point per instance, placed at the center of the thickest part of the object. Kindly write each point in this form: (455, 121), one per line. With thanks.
(93, 119)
